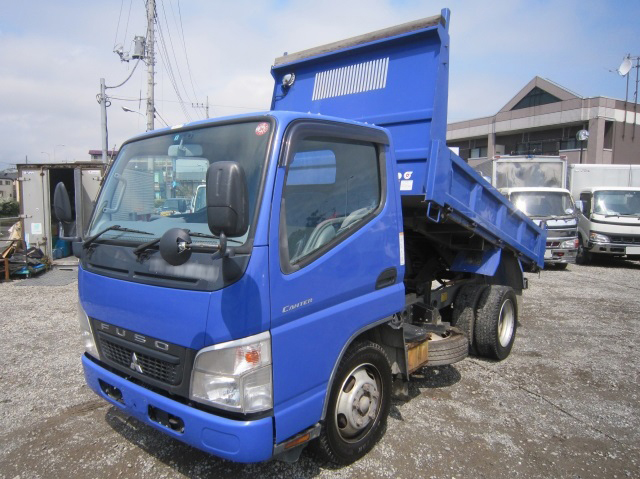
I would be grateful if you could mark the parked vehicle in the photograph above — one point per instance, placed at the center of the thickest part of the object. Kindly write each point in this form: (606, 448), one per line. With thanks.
(173, 205)
(536, 185)
(199, 200)
(343, 246)
(609, 203)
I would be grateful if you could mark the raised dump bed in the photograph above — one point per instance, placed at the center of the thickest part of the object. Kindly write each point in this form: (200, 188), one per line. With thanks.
(397, 78)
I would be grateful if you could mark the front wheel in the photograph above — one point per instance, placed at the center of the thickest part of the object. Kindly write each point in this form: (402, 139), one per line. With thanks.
(358, 405)
(583, 256)
(496, 322)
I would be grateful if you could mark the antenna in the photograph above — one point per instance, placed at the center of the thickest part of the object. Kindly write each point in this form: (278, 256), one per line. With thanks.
(625, 66)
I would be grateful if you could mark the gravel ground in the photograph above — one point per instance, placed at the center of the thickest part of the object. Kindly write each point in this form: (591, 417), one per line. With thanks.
(564, 404)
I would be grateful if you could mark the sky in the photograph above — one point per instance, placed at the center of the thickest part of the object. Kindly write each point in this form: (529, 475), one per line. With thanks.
(53, 54)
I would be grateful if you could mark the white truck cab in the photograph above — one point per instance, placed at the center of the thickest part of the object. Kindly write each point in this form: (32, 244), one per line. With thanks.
(609, 222)
(553, 207)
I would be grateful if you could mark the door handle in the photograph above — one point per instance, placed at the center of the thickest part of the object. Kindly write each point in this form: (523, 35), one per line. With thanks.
(386, 278)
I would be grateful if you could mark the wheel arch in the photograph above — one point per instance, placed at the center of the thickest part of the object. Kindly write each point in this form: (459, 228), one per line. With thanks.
(380, 333)
(509, 273)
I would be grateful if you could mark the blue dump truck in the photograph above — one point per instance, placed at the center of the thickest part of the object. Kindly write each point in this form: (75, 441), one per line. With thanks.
(342, 247)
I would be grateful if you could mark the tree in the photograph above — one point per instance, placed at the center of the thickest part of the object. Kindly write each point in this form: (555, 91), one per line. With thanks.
(9, 208)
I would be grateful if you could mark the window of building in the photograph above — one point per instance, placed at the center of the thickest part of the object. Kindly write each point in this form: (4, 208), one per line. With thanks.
(536, 97)
(478, 152)
(332, 187)
(608, 135)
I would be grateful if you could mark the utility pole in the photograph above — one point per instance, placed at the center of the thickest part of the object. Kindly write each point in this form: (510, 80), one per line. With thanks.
(203, 105)
(150, 60)
(103, 100)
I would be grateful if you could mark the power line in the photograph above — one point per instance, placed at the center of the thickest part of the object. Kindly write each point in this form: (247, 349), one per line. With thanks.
(115, 39)
(169, 69)
(186, 56)
(174, 52)
(126, 30)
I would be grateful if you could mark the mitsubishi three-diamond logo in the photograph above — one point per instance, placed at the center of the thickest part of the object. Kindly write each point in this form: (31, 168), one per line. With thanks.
(135, 365)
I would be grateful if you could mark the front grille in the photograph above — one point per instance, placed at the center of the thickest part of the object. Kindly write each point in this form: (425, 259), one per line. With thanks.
(164, 371)
(561, 233)
(626, 239)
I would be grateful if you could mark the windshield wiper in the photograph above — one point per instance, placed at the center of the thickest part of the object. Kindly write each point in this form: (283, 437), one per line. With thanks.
(91, 239)
(145, 246)
(204, 235)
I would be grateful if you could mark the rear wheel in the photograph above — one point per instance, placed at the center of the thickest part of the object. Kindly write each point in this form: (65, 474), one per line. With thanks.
(464, 311)
(496, 322)
(358, 405)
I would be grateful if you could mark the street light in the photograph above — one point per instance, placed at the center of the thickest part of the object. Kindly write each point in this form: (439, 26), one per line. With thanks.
(54, 152)
(129, 110)
(582, 136)
(48, 155)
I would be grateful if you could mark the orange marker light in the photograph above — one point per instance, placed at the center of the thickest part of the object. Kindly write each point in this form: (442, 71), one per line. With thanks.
(252, 356)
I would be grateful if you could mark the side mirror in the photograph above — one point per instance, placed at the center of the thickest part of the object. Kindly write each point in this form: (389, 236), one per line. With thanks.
(227, 199)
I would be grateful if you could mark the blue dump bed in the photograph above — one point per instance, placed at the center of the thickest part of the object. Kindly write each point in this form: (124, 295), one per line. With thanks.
(397, 78)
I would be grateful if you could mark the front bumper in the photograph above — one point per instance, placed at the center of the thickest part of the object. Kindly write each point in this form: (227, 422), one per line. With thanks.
(615, 249)
(236, 440)
(558, 256)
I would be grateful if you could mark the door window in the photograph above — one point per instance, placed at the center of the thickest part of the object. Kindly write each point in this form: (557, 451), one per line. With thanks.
(332, 188)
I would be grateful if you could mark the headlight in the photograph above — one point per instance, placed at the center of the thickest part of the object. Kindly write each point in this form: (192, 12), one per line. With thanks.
(235, 375)
(88, 339)
(570, 244)
(598, 238)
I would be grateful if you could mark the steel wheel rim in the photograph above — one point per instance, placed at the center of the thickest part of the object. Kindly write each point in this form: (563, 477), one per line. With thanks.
(506, 323)
(358, 403)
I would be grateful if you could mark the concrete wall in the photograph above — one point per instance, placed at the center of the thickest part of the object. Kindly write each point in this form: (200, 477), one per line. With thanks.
(626, 144)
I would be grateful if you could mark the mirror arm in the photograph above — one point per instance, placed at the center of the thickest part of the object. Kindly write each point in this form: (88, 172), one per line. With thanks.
(72, 239)
(222, 248)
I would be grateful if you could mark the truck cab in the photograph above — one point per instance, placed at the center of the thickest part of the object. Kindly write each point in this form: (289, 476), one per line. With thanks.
(554, 208)
(609, 224)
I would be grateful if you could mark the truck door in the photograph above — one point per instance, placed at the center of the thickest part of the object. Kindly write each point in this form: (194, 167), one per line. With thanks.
(335, 265)
(34, 204)
(87, 184)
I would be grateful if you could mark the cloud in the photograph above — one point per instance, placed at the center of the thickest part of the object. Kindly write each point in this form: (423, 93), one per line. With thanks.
(52, 55)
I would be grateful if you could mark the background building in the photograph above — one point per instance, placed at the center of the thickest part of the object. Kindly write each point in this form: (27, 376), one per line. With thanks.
(8, 185)
(543, 119)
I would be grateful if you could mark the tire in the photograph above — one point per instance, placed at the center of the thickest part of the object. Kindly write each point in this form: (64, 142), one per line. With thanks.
(450, 349)
(358, 405)
(496, 322)
(561, 266)
(464, 311)
(583, 256)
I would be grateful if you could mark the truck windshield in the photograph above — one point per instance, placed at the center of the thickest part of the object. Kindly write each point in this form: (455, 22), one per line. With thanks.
(154, 182)
(617, 203)
(542, 204)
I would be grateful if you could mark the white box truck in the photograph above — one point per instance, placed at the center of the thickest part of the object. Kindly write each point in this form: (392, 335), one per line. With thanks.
(537, 186)
(608, 198)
